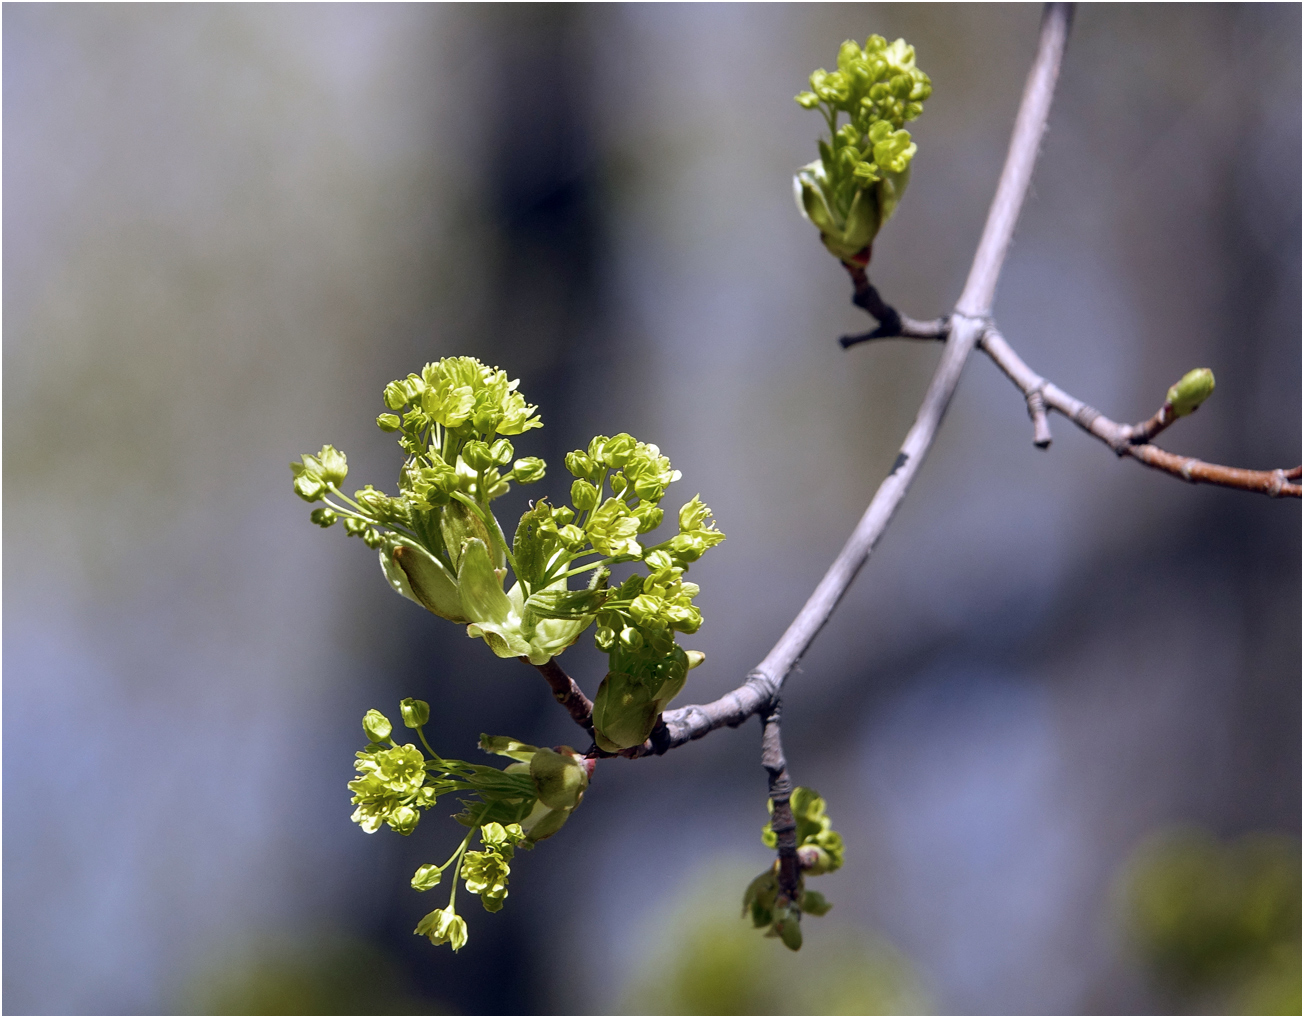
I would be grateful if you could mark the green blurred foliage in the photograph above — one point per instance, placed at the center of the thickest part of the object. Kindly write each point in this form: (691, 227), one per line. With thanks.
(321, 974)
(706, 959)
(1218, 921)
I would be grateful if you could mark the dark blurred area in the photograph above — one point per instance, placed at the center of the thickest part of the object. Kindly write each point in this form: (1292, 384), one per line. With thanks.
(227, 227)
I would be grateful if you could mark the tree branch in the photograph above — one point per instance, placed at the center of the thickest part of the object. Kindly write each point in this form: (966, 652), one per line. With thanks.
(781, 819)
(1134, 439)
(964, 328)
(567, 692)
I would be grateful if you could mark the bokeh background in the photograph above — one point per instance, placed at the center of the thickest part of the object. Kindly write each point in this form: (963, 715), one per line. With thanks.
(226, 227)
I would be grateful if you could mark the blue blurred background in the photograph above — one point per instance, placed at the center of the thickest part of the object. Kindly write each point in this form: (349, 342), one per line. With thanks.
(228, 226)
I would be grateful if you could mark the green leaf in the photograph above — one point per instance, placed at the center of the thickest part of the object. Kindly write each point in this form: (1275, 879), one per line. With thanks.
(814, 903)
(535, 543)
(420, 577)
(481, 587)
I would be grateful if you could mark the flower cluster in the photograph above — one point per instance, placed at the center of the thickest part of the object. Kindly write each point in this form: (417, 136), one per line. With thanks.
(516, 807)
(442, 547)
(819, 848)
(863, 169)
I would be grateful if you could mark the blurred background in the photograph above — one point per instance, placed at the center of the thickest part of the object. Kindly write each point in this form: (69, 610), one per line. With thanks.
(227, 227)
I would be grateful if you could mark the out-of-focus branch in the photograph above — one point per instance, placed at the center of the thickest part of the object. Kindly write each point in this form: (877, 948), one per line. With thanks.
(782, 822)
(891, 323)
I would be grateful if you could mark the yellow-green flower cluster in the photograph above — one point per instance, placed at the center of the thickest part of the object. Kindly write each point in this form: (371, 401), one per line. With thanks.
(863, 169)
(516, 807)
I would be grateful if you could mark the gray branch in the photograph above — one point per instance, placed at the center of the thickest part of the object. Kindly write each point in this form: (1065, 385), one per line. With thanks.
(966, 326)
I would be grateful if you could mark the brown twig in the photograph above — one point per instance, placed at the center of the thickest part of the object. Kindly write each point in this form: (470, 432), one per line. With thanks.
(782, 822)
(891, 322)
(1134, 439)
(567, 692)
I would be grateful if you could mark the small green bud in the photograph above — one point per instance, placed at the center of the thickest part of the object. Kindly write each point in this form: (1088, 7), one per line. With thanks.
(395, 397)
(426, 877)
(1192, 389)
(376, 725)
(579, 464)
(584, 496)
(814, 903)
(404, 820)
(373, 538)
(649, 517)
(388, 422)
(415, 712)
(619, 482)
(572, 536)
(354, 526)
(323, 517)
(477, 455)
(808, 100)
(560, 777)
(502, 452)
(617, 452)
(528, 470)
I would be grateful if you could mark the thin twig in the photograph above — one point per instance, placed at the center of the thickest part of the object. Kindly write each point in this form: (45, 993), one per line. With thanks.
(567, 692)
(1133, 439)
(891, 323)
(781, 819)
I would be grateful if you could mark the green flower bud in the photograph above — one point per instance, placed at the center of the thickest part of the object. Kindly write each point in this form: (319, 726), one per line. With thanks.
(426, 877)
(323, 516)
(631, 638)
(572, 536)
(560, 777)
(404, 819)
(649, 517)
(373, 539)
(619, 482)
(387, 422)
(376, 725)
(354, 526)
(497, 836)
(584, 496)
(579, 464)
(528, 470)
(562, 515)
(394, 396)
(616, 451)
(502, 452)
(809, 100)
(415, 712)
(477, 455)
(1191, 390)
